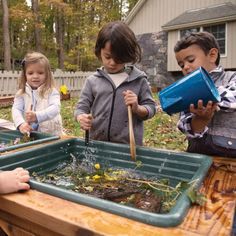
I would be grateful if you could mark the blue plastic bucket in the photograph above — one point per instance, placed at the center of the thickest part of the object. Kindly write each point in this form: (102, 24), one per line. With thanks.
(197, 85)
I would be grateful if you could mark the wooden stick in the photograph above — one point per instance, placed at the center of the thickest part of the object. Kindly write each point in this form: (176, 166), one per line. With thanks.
(31, 108)
(131, 135)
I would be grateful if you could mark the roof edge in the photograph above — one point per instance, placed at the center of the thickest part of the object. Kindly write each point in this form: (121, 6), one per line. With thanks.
(134, 11)
(199, 23)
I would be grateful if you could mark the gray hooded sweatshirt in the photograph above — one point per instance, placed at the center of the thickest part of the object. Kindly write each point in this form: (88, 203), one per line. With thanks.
(105, 102)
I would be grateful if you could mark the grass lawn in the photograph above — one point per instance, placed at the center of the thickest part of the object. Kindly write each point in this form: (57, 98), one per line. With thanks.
(160, 131)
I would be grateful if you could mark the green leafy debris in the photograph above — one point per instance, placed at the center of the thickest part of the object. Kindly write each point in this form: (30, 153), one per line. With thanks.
(195, 196)
(124, 186)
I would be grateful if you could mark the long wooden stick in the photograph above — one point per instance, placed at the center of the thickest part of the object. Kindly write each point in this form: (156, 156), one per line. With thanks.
(131, 135)
(31, 108)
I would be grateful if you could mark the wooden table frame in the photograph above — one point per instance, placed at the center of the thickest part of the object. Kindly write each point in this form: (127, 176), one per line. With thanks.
(35, 213)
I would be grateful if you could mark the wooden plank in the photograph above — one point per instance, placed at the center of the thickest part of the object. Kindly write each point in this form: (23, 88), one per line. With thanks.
(16, 226)
(6, 101)
(216, 216)
(12, 230)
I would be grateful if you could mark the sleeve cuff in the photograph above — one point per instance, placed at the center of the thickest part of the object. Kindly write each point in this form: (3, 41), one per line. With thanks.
(197, 134)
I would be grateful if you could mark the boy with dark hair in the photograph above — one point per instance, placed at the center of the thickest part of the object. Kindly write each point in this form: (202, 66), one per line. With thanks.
(106, 95)
(210, 129)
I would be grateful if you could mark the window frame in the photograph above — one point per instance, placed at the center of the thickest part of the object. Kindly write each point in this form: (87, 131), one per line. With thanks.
(201, 28)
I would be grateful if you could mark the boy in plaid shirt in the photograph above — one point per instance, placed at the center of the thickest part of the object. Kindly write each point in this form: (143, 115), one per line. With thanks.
(210, 129)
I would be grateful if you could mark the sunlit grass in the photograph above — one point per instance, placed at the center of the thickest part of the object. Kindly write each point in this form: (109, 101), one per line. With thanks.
(161, 132)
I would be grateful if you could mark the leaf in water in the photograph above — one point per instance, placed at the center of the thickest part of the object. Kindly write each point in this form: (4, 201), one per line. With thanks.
(181, 186)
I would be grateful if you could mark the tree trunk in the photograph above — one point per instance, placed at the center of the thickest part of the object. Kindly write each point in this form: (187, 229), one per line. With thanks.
(37, 31)
(6, 36)
(60, 39)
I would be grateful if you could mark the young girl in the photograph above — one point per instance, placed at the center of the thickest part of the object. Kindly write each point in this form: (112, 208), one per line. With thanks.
(102, 107)
(37, 103)
(13, 181)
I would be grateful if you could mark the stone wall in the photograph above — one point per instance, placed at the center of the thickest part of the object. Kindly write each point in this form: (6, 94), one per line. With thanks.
(154, 59)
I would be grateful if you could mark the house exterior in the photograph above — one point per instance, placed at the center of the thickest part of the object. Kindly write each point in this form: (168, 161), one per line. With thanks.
(158, 24)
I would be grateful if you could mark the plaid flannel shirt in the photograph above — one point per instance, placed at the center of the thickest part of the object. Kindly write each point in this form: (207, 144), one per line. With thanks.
(227, 103)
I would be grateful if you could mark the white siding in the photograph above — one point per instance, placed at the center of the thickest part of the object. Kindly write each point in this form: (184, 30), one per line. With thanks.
(171, 62)
(230, 60)
(155, 13)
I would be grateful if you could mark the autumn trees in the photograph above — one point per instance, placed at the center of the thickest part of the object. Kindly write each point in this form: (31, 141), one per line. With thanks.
(64, 30)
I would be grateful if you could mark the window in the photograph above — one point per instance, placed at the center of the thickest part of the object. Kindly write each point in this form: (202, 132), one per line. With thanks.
(217, 30)
(188, 31)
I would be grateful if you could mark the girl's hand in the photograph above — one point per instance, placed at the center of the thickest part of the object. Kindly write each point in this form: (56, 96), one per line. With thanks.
(131, 99)
(13, 181)
(30, 116)
(25, 128)
(85, 121)
(205, 113)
